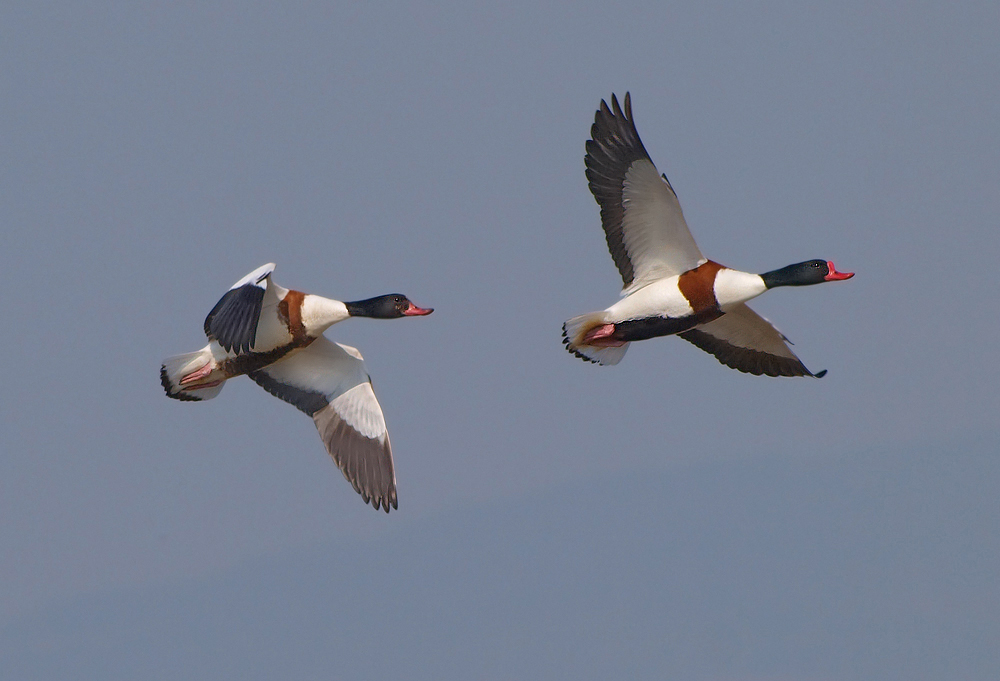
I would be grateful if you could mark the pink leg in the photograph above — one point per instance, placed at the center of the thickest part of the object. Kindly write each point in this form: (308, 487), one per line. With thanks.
(197, 374)
(600, 337)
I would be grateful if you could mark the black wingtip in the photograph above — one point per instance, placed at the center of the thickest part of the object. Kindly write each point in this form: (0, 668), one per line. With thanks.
(820, 374)
(617, 110)
(386, 504)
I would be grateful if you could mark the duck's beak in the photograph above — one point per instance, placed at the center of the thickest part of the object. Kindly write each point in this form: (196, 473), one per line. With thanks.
(834, 275)
(414, 311)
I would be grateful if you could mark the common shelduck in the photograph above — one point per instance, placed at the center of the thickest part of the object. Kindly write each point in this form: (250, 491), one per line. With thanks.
(670, 287)
(275, 336)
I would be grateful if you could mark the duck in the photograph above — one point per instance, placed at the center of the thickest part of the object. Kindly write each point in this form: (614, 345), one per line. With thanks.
(274, 336)
(670, 288)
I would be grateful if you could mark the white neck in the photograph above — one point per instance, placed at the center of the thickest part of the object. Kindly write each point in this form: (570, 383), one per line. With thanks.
(319, 313)
(733, 287)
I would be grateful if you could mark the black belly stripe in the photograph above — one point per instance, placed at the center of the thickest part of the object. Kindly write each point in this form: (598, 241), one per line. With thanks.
(254, 361)
(651, 327)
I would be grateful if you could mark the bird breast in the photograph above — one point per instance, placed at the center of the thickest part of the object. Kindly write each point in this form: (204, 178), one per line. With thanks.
(733, 287)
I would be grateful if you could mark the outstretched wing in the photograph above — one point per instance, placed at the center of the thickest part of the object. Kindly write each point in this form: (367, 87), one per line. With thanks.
(642, 218)
(233, 320)
(329, 382)
(747, 342)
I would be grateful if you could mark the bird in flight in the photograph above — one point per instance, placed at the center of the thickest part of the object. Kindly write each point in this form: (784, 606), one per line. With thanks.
(275, 336)
(670, 287)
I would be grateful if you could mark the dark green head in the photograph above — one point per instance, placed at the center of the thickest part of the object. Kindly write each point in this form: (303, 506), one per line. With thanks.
(804, 274)
(391, 306)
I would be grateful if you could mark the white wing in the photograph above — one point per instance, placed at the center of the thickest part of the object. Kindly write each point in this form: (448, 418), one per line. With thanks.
(329, 382)
(642, 218)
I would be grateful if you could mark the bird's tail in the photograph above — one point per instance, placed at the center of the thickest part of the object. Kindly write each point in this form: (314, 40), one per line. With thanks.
(193, 376)
(577, 329)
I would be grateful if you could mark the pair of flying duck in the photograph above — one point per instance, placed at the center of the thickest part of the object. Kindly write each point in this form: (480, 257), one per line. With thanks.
(275, 335)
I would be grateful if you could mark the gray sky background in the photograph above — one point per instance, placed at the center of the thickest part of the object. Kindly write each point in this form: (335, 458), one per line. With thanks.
(665, 518)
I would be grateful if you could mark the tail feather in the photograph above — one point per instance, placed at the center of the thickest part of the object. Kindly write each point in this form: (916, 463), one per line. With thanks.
(574, 331)
(175, 369)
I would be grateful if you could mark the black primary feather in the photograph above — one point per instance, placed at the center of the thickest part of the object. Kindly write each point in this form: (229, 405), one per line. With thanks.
(233, 320)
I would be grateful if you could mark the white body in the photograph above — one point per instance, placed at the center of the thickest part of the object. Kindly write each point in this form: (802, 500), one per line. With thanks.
(654, 250)
(282, 348)
(663, 297)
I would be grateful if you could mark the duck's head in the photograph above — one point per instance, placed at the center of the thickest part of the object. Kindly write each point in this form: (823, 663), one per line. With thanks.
(391, 306)
(805, 274)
